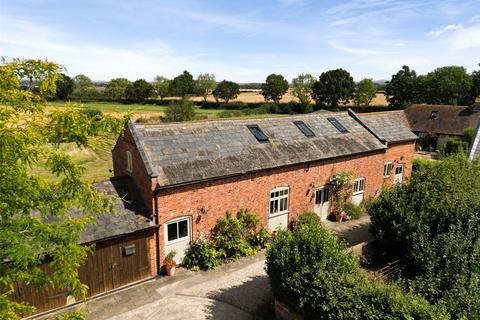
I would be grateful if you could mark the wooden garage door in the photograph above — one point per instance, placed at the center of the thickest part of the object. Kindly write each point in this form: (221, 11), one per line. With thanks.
(112, 266)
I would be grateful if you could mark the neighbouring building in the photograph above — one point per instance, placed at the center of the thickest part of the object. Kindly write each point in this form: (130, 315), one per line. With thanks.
(434, 124)
(189, 174)
(474, 152)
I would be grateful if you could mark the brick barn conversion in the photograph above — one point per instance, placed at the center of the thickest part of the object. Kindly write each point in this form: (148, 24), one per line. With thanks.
(173, 181)
(190, 174)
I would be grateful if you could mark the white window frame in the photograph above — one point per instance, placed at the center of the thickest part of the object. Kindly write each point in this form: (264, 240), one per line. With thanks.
(400, 165)
(387, 169)
(323, 191)
(283, 193)
(357, 184)
(177, 221)
(129, 162)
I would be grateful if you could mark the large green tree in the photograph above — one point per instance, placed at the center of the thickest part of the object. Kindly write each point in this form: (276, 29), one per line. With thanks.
(182, 85)
(403, 88)
(84, 87)
(447, 85)
(364, 92)
(139, 91)
(333, 87)
(64, 87)
(36, 219)
(432, 224)
(182, 110)
(161, 84)
(205, 84)
(116, 89)
(476, 84)
(302, 87)
(226, 90)
(274, 88)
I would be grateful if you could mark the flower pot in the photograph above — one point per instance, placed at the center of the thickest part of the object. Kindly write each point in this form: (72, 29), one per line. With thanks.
(171, 271)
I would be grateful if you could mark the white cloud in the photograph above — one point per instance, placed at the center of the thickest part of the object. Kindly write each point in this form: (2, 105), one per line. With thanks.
(450, 27)
(355, 50)
(466, 38)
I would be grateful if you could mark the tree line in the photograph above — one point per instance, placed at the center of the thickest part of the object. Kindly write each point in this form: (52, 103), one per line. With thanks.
(444, 85)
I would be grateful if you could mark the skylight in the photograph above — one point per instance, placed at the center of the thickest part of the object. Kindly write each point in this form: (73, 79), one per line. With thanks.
(257, 132)
(304, 128)
(337, 125)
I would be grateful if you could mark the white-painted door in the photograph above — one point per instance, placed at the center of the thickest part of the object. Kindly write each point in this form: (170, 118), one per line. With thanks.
(178, 236)
(322, 202)
(399, 173)
(278, 215)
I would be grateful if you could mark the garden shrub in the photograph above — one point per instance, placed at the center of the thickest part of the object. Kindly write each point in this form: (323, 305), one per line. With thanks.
(353, 210)
(453, 146)
(310, 271)
(230, 238)
(203, 255)
(433, 224)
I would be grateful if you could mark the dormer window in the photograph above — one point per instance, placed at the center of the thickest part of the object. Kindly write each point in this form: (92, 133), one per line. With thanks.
(434, 114)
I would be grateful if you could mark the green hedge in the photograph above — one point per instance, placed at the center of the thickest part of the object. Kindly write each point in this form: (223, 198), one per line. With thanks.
(310, 271)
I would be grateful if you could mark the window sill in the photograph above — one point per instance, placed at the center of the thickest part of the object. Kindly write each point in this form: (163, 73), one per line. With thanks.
(357, 193)
(277, 214)
(178, 240)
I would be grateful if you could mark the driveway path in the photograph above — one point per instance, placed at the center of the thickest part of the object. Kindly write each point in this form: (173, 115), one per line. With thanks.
(238, 290)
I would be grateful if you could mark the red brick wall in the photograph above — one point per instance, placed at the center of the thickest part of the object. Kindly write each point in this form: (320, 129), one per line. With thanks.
(400, 153)
(252, 191)
(143, 182)
(152, 245)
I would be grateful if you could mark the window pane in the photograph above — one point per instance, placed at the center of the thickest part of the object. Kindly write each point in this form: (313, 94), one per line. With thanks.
(285, 204)
(317, 196)
(183, 229)
(326, 195)
(272, 207)
(277, 194)
(282, 205)
(275, 206)
(172, 231)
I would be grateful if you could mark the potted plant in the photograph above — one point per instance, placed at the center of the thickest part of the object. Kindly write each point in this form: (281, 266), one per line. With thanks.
(170, 264)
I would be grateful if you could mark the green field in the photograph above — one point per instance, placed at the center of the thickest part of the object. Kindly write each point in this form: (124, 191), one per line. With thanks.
(97, 158)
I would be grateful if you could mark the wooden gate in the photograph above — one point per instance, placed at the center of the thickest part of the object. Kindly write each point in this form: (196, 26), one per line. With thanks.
(116, 263)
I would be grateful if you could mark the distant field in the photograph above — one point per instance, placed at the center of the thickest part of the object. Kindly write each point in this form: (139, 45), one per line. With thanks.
(256, 96)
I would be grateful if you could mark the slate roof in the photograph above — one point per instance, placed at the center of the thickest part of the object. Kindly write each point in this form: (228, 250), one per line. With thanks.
(475, 149)
(451, 120)
(128, 216)
(194, 151)
(391, 126)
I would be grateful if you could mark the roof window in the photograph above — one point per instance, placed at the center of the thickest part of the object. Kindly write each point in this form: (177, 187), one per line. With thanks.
(257, 132)
(304, 128)
(337, 125)
(434, 114)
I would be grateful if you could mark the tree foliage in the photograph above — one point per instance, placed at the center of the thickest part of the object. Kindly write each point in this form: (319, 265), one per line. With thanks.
(64, 87)
(302, 87)
(205, 84)
(84, 87)
(364, 92)
(333, 87)
(161, 85)
(433, 225)
(36, 217)
(447, 85)
(226, 90)
(116, 89)
(139, 91)
(310, 272)
(182, 110)
(274, 88)
(182, 85)
(403, 89)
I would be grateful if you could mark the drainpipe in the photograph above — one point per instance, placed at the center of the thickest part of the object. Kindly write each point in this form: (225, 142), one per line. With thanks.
(157, 231)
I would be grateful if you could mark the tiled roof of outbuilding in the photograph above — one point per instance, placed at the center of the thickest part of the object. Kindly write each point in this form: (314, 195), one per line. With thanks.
(194, 151)
(449, 120)
(389, 125)
(128, 215)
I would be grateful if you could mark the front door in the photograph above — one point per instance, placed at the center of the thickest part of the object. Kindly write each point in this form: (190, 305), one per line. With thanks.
(399, 173)
(322, 203)
(178, 236)
(278, 216)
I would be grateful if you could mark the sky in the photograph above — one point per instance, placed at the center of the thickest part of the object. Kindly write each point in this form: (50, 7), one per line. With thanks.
(242, 41)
